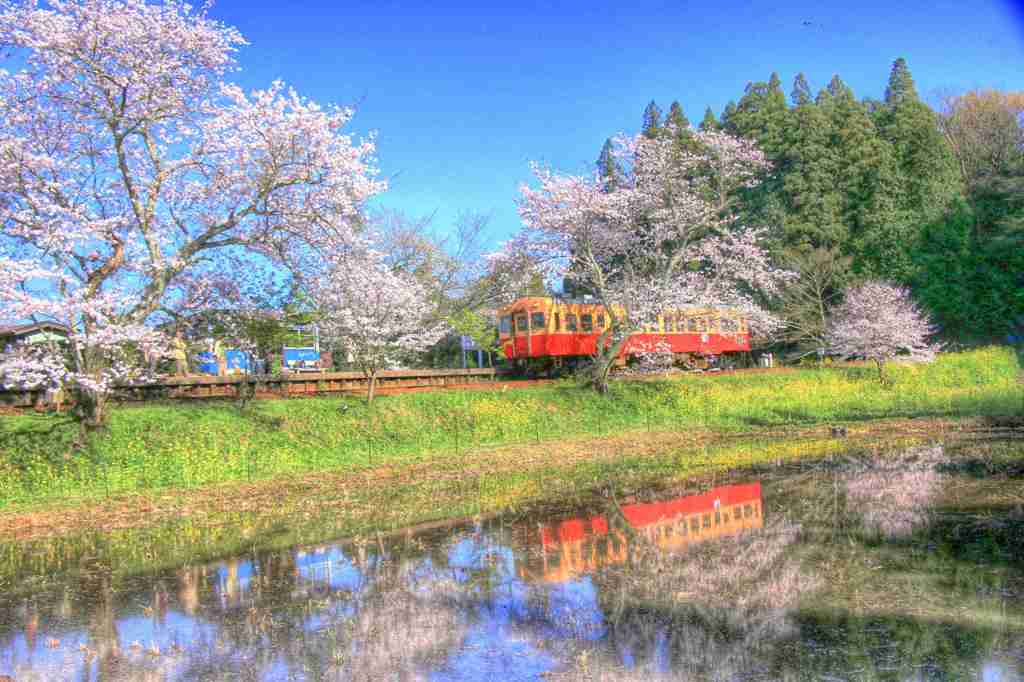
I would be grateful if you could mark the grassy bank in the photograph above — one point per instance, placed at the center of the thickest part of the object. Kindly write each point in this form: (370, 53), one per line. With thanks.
(156, 447)
(135, 534)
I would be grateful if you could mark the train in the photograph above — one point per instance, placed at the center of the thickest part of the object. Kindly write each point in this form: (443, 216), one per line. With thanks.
(545, 333)
(582, 545)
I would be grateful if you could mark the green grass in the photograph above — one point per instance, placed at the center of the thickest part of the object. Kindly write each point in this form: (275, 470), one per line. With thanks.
(183, 445)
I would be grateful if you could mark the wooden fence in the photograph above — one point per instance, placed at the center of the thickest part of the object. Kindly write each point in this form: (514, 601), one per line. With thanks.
(282, 385)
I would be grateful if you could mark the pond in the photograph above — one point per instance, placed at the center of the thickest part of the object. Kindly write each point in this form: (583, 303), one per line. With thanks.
(873, 564)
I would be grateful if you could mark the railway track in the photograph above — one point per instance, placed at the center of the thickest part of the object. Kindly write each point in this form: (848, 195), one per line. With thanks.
(317, 383)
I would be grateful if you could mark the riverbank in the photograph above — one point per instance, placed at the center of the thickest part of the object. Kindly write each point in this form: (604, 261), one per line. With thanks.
(161, 450)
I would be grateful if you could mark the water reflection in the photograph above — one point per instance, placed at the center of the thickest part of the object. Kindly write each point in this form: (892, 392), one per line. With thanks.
(733, 583)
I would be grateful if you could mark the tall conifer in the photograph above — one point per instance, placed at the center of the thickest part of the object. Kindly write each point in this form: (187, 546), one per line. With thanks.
(652, 120)
(801, 91)
(709, 122)
(676, 118)
(930, 180)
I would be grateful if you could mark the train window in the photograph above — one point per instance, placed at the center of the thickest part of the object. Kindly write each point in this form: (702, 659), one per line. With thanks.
(521, 324)
(537, 321)
(558, 322)
(506, 324)
(570, 322)
(718, 518)
(587, 323)
(669, 531)
(707, 520)
(599, 323)
(729, 325)
(747, 511)
(694, 524)
(682, 526)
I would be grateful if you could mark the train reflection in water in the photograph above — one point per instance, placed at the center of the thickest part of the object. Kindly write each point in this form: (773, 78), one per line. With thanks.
(582, 545)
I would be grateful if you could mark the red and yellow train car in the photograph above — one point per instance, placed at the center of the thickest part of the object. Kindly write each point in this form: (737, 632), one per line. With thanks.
(582, 545)
(542, 327)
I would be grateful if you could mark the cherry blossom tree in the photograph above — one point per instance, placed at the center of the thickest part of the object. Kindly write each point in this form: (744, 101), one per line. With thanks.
(136, 180)
(661, 238)
(879, 321)
(372, 312)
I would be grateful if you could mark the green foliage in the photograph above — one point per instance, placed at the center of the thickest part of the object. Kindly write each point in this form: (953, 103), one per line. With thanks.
(652, 120)
(801, 93)
(676, 118)
(608, 167)
(972, 283)
(158, 446)
(709, 122)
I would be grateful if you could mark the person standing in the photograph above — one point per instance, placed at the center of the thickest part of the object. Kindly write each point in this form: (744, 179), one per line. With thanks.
(222, 358)
(180, 354)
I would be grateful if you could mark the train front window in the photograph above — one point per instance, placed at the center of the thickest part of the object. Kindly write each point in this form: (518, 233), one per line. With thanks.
(691, 324)
(587, 323)
(570, 322)
(537, 321)
(506, 324)
(521, 324)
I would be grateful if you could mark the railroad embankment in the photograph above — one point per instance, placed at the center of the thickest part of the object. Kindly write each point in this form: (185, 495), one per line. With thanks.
(159, 462)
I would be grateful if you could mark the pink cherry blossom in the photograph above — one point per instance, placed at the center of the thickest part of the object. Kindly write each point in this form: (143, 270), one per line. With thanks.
(662, 238)
(879, 321)
(138, 184)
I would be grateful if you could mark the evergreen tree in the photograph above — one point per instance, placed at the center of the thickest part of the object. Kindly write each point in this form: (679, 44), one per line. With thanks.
(608, 167)
(727, 116)
(762, 115)
(676, 118)
(812, 198)
(867, 176)
(930, 179)
(801, 91)
(709, 122)
(652, 120)
(901, 84)
(837, 88)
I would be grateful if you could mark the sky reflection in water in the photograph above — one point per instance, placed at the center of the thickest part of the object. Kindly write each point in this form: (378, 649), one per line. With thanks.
(705, 586)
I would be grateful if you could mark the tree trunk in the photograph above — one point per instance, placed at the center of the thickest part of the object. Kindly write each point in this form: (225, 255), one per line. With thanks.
(603, 361)
(371, 388)
(90, 409)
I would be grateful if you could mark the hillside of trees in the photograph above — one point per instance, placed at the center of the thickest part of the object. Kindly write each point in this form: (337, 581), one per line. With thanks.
(883, 188)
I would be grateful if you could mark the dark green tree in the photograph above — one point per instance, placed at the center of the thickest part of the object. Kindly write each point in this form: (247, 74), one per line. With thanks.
(608, 167)
(867, 177)
(676, 118)
(762, 115)
(727, 115)
(901, 84)
(709, 122)
(801, 91)
(652, 120)
(812, 198)
(929, 176)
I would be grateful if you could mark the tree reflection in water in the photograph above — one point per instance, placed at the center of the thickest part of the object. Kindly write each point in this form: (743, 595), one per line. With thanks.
(707, 587)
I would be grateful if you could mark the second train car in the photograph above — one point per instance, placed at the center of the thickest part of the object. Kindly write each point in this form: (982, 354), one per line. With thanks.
(551, 332)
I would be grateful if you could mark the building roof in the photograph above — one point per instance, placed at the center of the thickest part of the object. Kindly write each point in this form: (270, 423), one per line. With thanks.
(21, 329)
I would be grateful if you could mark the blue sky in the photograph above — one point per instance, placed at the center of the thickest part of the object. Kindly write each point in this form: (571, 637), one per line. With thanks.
(464, 95)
